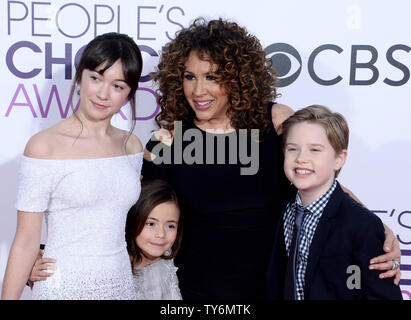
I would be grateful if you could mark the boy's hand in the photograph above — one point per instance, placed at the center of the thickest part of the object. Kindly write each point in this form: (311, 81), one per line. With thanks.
(386, 261)
(40, 267)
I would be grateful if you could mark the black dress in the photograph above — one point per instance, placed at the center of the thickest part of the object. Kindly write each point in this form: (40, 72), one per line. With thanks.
(229, 219)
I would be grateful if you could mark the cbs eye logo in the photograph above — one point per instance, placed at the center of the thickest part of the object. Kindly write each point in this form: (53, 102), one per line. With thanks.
(285, 59)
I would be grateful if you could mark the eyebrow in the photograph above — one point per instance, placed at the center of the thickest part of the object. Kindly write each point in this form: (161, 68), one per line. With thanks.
(310, 144)
(316, 145)
(158, 220)
(207, 73)
(101, 74)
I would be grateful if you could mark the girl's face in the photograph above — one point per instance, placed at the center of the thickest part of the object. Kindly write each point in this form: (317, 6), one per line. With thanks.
(204, 94)
(103, 95)
(159, 232)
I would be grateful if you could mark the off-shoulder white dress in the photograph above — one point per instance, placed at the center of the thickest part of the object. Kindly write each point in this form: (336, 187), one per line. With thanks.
(85, 202)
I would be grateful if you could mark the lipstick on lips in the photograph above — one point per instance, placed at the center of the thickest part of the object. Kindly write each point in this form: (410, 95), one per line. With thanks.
(157, 244)
(99, 106)
(203, 104)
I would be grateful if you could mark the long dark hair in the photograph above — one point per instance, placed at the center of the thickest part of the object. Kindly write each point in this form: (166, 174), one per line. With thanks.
(153, 193)
(110, 47)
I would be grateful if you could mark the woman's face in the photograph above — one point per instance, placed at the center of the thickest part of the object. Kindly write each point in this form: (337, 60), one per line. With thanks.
(204, 94)
(159, 232)
(102, 95)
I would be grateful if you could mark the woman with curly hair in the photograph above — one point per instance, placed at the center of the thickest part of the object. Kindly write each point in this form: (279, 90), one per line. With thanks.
(216, 84)
(241, 68)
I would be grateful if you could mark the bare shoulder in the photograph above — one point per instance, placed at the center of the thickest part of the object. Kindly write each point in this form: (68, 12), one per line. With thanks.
(134, 144)
(40, 145)
(50, 142)
(280, 113)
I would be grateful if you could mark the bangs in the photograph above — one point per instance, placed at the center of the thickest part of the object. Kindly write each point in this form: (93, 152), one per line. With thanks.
(106, 53)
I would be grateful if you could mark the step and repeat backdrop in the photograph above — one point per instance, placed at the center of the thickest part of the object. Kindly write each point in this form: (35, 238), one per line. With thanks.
(352, 56)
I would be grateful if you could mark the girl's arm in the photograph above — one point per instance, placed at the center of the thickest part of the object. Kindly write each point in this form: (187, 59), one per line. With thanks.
(23, 254)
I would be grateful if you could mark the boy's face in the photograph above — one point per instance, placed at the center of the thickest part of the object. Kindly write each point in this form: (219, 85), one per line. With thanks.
(310, 160)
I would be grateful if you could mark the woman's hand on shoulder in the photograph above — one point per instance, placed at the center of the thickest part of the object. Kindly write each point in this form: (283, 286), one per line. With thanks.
(280, 113)
(164, 136)
(39, 146)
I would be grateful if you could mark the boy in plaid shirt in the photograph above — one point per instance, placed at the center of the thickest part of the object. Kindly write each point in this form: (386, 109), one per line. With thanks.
(326, 239)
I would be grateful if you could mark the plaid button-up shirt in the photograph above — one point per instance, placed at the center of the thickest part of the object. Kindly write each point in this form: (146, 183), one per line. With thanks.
(312, 215)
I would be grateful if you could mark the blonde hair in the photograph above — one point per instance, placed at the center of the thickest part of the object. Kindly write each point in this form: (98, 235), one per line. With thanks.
(334, 124)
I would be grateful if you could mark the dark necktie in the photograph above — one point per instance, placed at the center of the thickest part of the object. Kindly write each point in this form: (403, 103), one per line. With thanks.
(291, 271)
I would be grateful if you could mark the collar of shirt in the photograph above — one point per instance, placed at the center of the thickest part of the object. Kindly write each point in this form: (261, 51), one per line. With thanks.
(313, 214)
(316, 207)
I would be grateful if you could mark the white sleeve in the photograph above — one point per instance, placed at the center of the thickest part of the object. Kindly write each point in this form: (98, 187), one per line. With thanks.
(35, 185)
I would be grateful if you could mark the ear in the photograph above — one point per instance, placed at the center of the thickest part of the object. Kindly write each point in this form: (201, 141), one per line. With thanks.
(340, 159)
(77, 87)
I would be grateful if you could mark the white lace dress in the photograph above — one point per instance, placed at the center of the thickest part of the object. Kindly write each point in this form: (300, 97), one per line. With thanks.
(85, 202)
(157, 281)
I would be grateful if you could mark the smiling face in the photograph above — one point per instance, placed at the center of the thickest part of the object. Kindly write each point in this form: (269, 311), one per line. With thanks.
(204, 94)
(159, 232)
(102, 95)
(310, 161)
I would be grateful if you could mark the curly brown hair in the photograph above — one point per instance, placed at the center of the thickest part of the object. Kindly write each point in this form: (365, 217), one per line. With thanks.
(245, 73)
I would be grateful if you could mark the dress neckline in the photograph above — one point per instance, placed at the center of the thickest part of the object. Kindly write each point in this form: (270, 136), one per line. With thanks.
(148, 266)
(195, 126)
(85, 159)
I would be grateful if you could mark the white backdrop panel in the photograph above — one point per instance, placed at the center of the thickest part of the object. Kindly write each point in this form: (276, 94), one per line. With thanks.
(351, 56)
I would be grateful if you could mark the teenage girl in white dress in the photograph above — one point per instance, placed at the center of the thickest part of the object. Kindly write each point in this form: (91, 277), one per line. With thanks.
(83, 175)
